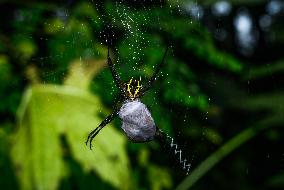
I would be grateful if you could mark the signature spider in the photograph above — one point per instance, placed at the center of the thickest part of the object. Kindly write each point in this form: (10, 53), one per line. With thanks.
(137, 122)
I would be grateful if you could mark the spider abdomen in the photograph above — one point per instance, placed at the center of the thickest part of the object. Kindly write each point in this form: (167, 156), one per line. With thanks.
(137, 121)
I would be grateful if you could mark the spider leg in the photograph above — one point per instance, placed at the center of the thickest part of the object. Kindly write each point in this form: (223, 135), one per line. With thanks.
(94, 133)
(115, 75)
(154, 76)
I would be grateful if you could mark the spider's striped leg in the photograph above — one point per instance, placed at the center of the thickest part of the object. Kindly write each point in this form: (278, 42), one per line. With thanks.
(154, 76)
(94, 133)
(115, 75)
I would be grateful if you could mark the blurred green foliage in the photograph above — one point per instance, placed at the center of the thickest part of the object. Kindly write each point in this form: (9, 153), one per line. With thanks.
(55, 88)
(40, 131)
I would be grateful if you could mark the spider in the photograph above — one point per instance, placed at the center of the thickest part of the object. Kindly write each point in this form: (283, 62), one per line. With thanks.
(137, 122)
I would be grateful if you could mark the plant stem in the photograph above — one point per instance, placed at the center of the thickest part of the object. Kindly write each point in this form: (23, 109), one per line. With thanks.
(217, 156)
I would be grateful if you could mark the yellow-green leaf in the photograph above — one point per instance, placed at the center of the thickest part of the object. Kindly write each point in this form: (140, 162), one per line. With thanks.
(49, 112)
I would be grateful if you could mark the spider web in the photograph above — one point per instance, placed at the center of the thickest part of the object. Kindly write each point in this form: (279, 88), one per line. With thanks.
(137, 43)
(132, 59)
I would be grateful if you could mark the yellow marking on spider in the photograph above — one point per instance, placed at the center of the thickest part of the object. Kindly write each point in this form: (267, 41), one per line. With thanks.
(128, 87)
(137, 89)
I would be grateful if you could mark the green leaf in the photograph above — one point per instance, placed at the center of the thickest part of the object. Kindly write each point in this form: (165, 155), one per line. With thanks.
(159, 178)
(7, 177)
(276, 181)
(49, 112)
(265, 70)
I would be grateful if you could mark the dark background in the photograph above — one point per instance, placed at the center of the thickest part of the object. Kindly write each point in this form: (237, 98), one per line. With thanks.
(219, 93)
